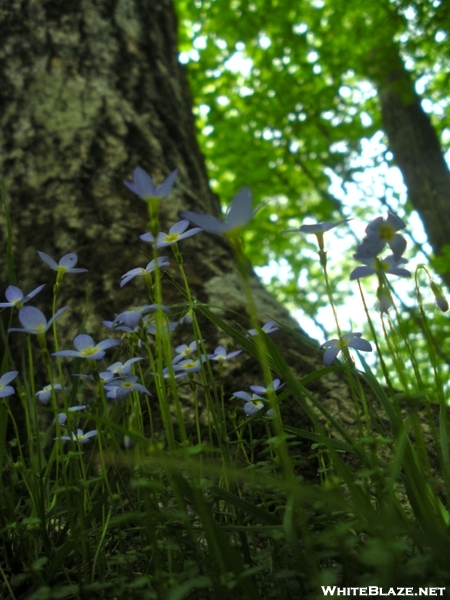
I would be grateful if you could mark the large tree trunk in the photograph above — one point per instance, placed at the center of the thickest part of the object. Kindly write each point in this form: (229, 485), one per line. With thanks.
(89, 90)
(415, 146)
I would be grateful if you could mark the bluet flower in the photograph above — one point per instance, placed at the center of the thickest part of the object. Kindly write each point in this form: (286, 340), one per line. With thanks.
(119, 368)
(87, 348)
(176, 233)
(79, 436)
(34, 321)
(144, 187)
(139, 271)
(5, 380)
(238, 215)
(351, 340)
(268, 327)
(15, 296)
(121, 388)
(66, 264)
(45, 394)
(62, 417)
(272, 387)
(221, 355)
(386, 266)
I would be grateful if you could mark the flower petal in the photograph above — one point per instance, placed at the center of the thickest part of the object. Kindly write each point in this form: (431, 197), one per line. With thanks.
(240, 211)
(360, 344)
(330, 354)
(206, 222)
(166, 187)
(69, 260)
(8, 377)
(49, 260)
(83, 341)
(32, 318)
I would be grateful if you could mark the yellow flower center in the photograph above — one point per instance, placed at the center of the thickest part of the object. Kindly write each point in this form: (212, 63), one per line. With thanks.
(386, 232)
(171, 237)
(190, 365)
(257, 403)
(89, 351)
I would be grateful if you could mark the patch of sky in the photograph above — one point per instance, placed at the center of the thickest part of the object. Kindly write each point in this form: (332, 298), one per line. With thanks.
(300, 28)
(264, 41)
(239, 63)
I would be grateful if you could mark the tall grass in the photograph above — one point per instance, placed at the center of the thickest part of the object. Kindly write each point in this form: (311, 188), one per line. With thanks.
(108, 492)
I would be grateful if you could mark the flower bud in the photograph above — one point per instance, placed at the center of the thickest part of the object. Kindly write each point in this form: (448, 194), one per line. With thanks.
(439, 297)
(385, 299)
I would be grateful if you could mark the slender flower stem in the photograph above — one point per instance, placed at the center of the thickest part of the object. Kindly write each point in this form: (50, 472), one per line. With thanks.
(281, 447)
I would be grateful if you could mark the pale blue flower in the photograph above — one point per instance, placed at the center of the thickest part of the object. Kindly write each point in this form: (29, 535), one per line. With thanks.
(119, 368)
(176, 233)
(386, 266)
(221, 355)
(253, 406)
(5, 389)
(184, 351)
(87, 348)
(268, 327)
(79, 436)
(34, 321)
(45, 394)
(131, 319)
(351, 340)
(62, 417)
(15, 296)
(272, 387)
(189, 365)
(144, 187)
(121, 388)
(166, 372)
(385, 230)
(187, 318)
(167, 328)
(238, 215)
(246, 396)
(139, 271)
(66, 264)
(317, 228)
(253, 403)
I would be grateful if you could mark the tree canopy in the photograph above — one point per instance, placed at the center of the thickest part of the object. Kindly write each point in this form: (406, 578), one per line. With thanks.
(290, 100)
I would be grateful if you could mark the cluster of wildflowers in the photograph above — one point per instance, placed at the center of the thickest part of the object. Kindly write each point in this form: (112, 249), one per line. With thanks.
(119, 380)
(381, 232)
(34, 322)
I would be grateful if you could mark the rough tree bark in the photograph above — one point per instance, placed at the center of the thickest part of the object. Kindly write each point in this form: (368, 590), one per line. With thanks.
(415, 146)
(88, 90)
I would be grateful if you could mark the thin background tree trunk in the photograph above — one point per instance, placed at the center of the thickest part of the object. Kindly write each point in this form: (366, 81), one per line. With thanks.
(415, 146)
